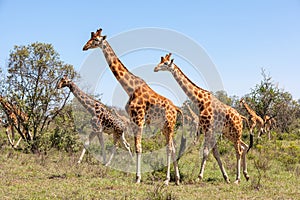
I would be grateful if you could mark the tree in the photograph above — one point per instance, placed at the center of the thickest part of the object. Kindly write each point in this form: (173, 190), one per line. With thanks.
(287, 111)
(32, 74)
(224, 98)
(267, 99)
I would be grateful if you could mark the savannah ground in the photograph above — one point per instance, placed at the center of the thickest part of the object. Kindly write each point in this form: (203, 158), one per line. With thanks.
(273, 166)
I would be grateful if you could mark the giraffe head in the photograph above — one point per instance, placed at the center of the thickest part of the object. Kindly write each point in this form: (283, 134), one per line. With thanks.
(95, 41)
(63, 82)
(165, 64)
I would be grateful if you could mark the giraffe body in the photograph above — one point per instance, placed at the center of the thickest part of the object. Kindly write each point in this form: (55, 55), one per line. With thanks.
(144, 105)
(254, 119)
(15, 120)
(215, 118)
(269, 123)
(102, 119)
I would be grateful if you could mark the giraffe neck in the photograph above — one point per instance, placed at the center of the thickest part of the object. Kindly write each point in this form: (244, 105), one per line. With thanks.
(195, 93)
(249, 110)
(191, 111)
(8, 109)
(5, 105)
(84, 99)
(128, 80)
(12, 110)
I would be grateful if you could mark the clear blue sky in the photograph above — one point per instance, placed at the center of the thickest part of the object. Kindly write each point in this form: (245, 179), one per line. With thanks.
(241, 37)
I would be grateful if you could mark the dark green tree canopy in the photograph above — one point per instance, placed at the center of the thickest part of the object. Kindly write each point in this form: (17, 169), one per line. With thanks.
(32, 74)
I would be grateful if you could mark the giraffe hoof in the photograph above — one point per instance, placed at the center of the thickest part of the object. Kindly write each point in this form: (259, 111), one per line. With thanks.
(227, 181)
(247, 177)
(177, 182)
(138, 180)
(166, 182)
(237, 182)
(198, 179)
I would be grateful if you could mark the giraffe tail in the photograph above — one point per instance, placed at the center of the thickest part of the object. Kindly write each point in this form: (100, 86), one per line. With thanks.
(251, 142)
(251, 134)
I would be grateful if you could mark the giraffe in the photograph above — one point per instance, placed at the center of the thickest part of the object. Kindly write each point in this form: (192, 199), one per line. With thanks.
(269, 122)
(16, 119)
(214, 117)
(102, 119)
(255, 120)
(144, 104)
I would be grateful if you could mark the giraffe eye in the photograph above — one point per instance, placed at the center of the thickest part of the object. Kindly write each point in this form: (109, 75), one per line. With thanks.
(97, 39)
(166, 63)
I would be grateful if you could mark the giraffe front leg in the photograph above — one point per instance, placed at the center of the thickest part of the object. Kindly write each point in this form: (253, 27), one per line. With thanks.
(126, 145)
(101, 141)
(138, 150)
(81, 156)
(206, 149)
(217, 157)
(9, 129)
(87, 143)
(17, 144)
(203, 163)
(177, 174)
(113, 151)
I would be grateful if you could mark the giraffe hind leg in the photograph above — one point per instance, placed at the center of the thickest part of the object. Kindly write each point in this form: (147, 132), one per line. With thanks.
(244, 163)
(87, 143)
(238, 162)
(126, 145)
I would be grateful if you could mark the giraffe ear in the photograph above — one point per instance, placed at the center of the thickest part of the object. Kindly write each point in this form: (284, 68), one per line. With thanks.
(172, 61)
(92, 34)
(104, 37)
(161, 59)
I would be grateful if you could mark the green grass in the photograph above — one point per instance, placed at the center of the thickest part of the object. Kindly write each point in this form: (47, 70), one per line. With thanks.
(273, 167)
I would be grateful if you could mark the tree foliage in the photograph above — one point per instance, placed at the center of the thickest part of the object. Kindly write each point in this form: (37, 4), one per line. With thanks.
(266, 98)
(30, 84)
